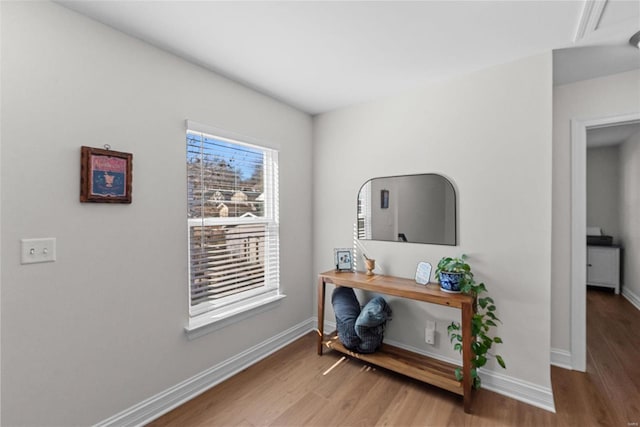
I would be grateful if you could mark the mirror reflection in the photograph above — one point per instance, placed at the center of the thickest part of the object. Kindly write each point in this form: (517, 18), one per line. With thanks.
(408, 208)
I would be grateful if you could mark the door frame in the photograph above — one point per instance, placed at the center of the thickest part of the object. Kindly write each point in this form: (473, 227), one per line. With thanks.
(578, 300)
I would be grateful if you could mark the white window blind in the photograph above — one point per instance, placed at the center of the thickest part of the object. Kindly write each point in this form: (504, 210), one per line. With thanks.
(364, 211)
(232, 205)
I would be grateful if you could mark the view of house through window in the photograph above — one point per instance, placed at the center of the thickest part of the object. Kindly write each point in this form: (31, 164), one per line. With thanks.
(232, 206)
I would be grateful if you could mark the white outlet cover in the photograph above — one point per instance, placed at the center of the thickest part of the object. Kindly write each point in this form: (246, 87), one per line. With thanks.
(37, 250)
(430, 336)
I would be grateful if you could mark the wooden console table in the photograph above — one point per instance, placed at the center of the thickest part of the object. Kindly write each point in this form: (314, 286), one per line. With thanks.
(422, 368)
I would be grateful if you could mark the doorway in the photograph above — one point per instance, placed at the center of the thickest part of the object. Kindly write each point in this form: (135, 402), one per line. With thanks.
(579, 130)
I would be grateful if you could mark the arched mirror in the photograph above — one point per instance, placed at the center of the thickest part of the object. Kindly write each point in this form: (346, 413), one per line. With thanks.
(408, 208)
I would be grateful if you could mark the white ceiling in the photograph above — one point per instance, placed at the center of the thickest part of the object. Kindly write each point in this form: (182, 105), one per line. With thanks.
(581, 63)
(611, 135)
(319, 56)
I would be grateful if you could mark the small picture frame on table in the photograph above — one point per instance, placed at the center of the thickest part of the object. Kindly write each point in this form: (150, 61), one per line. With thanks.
(105, 175)
(343, 259)
(423, 273)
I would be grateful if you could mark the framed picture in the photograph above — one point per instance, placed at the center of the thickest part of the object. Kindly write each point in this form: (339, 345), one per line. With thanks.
(343, 259)
(105, 175)
(423, 273)
(384, 199)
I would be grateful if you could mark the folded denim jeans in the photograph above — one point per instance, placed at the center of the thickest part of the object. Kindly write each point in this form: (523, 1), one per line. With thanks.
(347, 309)
(370, 324)
(359, 330)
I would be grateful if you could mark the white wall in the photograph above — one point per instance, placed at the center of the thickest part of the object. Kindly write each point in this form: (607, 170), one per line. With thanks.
(602, 97)
(101, 329)
(1, 80)
(630, 214)
(489, 133)
(603, 189)
(384, 222)
(422, 217)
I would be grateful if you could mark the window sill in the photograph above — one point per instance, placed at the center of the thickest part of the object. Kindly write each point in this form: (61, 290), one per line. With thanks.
(212, 321)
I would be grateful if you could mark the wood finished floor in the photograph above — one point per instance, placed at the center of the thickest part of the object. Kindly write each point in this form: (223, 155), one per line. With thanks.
(288, 388)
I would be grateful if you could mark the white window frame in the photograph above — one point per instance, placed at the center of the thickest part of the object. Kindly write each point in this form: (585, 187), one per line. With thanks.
(365, 214)
(211, 315)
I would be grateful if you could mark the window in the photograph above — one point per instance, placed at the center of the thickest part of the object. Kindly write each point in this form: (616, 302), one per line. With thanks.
(232, 217)
(364, 212)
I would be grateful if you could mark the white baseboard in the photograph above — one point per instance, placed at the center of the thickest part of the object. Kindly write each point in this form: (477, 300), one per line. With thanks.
(561, 358)
(518, 389)
(631, 297)
(524, 391)
(150, 409)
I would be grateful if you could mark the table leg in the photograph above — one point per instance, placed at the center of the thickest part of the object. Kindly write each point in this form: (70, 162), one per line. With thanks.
(467, 355)
(321, 296)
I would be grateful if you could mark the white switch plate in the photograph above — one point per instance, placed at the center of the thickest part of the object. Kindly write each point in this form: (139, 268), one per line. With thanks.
(38, 250)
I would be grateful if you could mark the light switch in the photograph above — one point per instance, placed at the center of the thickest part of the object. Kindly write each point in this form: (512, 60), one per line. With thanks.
(38, 250)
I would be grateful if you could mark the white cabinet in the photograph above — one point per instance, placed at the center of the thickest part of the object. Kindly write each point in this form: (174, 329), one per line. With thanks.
(603, 267)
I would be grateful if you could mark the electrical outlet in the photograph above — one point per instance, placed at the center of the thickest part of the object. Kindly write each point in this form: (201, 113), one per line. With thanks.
(430, 336)
(430, 332)
(37, 250)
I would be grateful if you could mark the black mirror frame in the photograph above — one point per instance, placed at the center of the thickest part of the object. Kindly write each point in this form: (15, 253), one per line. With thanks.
(455, 210)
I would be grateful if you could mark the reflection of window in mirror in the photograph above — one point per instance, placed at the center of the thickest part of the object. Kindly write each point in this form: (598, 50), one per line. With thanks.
(412, 208)
(364, 212)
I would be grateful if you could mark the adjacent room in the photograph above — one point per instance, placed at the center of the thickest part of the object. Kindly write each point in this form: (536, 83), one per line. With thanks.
(195, 195)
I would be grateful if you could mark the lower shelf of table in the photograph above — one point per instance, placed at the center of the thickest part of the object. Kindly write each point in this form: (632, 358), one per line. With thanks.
(417, 366)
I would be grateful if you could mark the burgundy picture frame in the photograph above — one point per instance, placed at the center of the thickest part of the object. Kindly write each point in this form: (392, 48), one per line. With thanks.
(105, 176)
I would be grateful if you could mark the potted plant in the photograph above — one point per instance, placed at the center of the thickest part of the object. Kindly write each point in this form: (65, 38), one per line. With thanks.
(483, 320)
(454, 274)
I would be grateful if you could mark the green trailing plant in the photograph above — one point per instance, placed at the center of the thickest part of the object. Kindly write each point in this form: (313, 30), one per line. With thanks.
(456, 265)
(482, 322)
